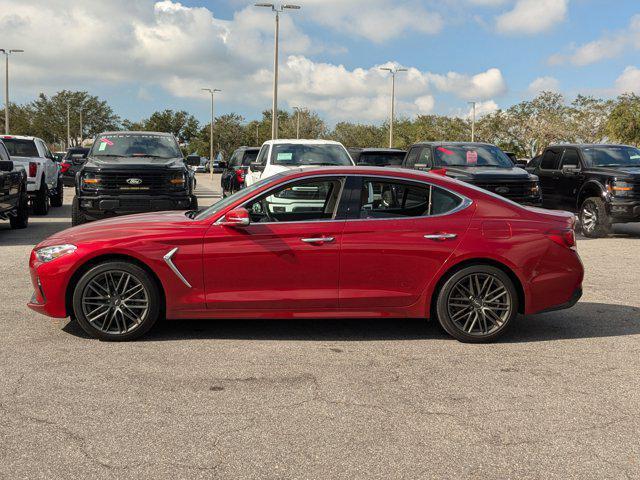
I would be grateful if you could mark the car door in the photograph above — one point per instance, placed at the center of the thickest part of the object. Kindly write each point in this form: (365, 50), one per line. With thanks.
(570, 179)
(393, 246)
(6, 179)
(287, 259)
(253, 175)
(50, 168)
(227, 173)
(549, 176)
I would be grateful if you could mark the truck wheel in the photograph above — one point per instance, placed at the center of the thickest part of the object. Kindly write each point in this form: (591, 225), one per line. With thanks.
(594, 219)
(194, 203)
(58, 198)
(77, 217)
(42, 201)
(21, 220)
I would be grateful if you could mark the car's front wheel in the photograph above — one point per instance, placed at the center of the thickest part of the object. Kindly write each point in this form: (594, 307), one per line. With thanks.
(594, 220)
(58, 199)
(477, 303)
(116, 301)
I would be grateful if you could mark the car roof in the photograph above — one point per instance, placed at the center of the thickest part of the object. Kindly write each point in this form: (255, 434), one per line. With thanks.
(301, 141)
(381, 150)
(248, 148)
(135, 132)
(587, 145)
(19, 137)
(443, 142)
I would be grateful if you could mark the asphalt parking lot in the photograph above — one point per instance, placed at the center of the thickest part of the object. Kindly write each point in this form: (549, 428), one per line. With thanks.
(557, 398)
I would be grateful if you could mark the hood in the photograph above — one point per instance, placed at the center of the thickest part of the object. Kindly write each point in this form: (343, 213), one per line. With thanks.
(133, 162)
(484, 174)
(633, 172)
(126, 227)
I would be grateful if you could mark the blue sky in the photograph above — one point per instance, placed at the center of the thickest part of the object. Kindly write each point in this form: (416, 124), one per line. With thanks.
(147, 55)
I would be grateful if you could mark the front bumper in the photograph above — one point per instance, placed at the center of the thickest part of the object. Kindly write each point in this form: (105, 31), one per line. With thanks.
(624, 210)
(49, 294)
(99, 206)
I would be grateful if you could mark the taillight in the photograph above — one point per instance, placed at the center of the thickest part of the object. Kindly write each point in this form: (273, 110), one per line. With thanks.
(64, 166)
(564, 238)
(240, 175)
(33, 169)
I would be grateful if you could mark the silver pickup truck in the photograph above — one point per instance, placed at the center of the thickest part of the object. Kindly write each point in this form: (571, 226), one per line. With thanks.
(44, 182)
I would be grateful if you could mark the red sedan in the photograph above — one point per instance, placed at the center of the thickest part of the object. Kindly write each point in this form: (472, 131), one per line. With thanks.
(330, 242)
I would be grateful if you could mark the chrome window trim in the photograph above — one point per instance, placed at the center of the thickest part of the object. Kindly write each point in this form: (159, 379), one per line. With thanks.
(465, 201)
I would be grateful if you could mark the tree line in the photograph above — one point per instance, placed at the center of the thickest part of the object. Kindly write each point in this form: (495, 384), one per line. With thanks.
(525, 128)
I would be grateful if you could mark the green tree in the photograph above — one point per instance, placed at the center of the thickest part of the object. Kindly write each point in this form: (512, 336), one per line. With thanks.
(623, 124)
(181, 124)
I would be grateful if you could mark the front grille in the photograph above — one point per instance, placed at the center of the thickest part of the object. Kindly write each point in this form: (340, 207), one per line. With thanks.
(515, 190)
(132, 183)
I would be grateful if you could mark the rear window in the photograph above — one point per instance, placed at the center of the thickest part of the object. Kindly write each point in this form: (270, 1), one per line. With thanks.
(249, 157)
(295, 154)
(77, 153)
(381, 159)
(21, 148)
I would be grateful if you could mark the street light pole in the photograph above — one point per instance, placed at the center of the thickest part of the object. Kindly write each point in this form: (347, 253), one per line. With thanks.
(212, 91)
(6, 86)
(393, 72)
(68, 124)
(297, 109)
(274, 110)
(473, 121)
(81, 128)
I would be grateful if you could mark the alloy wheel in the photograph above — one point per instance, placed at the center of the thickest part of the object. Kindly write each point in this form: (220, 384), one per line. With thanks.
(589, 218)
(479, 304)
(115, 302)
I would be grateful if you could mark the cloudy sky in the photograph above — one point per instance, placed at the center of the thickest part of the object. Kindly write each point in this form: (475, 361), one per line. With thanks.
(146, 55)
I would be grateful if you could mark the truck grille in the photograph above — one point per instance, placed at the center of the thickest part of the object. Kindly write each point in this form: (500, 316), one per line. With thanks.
(136, 182)
(516, 191)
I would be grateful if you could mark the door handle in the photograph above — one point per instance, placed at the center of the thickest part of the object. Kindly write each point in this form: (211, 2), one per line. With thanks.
(441, 236)
(318, 240)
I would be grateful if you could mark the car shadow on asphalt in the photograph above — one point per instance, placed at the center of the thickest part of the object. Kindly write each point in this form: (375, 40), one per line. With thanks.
(585, 320)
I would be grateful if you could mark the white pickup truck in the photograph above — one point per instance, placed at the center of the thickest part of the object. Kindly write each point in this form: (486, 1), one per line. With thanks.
(44, 182)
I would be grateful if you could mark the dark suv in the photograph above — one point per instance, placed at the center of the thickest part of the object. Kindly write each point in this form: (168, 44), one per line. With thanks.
(377, 157)
(480, 164)
(234, 171)
(130, 172)
(601, 182)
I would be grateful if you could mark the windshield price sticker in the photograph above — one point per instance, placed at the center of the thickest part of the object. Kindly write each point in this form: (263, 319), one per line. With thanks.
(102, 147)
(285, 156)
(472, 157)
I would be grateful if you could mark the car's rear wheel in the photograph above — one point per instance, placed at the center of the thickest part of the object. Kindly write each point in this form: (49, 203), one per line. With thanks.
(21, 219)
(116, 301)
(477, 303)
(58, 198)
(42, 200)
(594, 220)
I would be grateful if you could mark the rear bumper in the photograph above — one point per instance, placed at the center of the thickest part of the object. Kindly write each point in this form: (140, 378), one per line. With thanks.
(577, 294)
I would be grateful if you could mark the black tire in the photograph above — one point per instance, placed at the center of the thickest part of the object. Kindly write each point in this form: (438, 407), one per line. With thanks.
(42, 201)
(594, 220)
(77, 216)
(101, 326)
(58, 198)
(21, 220)
(194, 203)
(481, 320)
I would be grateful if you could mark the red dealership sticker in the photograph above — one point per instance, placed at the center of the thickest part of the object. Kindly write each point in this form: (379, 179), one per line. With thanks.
(472, 157)
(107, 141)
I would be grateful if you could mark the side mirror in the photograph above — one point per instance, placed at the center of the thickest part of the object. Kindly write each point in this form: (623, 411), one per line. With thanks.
(238, 217)
(192, 160)
(256, 167)
(6, 166)
(222, 164)
(570, 169)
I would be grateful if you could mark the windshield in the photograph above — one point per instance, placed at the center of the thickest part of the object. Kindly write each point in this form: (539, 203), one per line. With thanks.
(21, 148)
(225, 202)
(381, 159)
(135, 145)
(612, 156)
(295, 155)
(472, 156)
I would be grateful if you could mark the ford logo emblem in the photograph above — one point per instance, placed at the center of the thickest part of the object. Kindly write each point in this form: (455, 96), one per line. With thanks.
(502, 190)
(134, 181)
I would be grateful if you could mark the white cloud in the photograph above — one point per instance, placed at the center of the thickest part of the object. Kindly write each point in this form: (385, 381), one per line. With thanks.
(628, 81)
(376, 20)
(488, 3)
(544, 84)
(149, 47)
(609, 46)
(532, 16)
(483, 108)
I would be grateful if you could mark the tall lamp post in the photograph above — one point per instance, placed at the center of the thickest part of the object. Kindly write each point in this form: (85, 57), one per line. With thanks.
(274, 110)
(393, 72)
(297, 109)
(68, 124)
(212, 91)
(473, 121)
(6, 86)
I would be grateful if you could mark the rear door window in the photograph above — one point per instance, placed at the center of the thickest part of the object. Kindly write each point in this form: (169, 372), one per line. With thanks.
(550, 160)
(570, 158)
(412, 157)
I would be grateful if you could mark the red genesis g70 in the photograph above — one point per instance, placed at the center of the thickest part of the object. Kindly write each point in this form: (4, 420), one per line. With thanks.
(315, 243)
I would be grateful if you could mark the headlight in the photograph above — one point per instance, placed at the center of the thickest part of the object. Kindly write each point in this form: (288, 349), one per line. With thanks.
(178, 180)
(47, 254)
(618, 187)
(90, 180)
(535, 189)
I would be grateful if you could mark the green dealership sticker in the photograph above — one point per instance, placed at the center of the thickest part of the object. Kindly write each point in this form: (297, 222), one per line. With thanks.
(103, 146)
(285, 156)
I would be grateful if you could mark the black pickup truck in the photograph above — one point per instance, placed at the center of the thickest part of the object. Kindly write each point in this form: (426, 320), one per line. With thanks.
(132, 172)
(599, 182)
(14, 200)
(480, 164)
